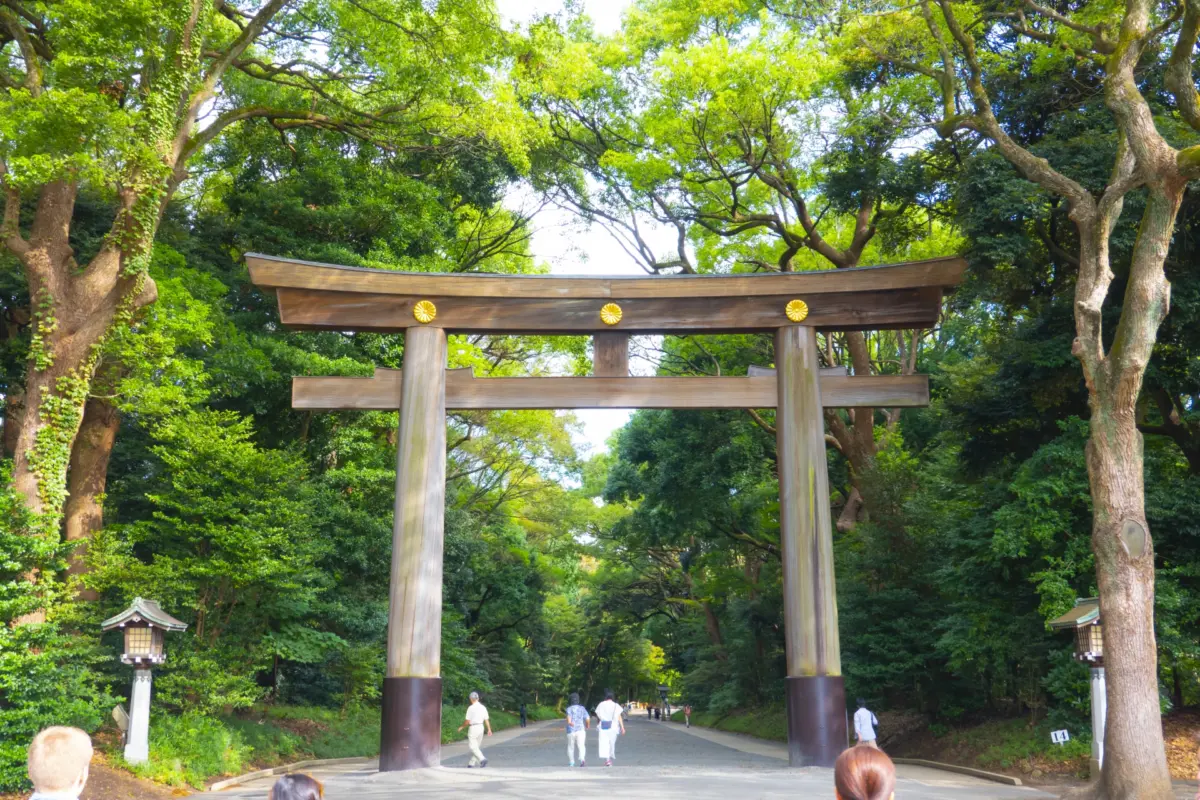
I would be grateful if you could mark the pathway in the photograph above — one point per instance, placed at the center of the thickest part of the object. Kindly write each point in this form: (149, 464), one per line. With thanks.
(666, 760)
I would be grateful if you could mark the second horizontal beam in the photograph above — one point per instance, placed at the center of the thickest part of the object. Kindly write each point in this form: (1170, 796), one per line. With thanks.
(465, 392)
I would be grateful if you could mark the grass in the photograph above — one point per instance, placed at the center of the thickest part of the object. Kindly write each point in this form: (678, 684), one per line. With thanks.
(765, 723)
(192, 750)
(1011, 743)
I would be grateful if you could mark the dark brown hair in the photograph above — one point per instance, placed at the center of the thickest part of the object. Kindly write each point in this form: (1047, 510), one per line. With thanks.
(864, 773)
(296, 787)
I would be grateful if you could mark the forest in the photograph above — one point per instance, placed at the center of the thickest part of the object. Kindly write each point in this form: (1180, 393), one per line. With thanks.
(150, 448)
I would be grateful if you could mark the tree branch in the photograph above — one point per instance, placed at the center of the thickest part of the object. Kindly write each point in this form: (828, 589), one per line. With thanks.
(1178, 78)
(10, 226)
(1098, 32)
(244, 39)
(1031, 167)
(29, 54)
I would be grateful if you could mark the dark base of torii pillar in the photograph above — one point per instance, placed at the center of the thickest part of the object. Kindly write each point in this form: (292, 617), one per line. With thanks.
(816, 720)
(411, 734)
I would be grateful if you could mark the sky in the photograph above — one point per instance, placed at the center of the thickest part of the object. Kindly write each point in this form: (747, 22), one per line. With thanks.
(605, 14)
(560, 241)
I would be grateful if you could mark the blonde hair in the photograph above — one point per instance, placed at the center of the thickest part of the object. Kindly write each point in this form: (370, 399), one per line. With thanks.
(58, 758)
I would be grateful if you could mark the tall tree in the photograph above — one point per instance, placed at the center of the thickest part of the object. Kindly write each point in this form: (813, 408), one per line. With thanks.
(723, 124)
(120, 98)
(959, 47)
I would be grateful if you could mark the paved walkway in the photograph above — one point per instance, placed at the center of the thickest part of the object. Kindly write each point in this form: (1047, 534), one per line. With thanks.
(667, 761)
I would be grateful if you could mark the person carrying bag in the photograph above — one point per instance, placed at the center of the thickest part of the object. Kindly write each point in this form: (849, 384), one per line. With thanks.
(612, 724)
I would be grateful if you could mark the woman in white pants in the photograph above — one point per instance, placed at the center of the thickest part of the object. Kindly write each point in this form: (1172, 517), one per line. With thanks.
(612, 724)
(578, 723)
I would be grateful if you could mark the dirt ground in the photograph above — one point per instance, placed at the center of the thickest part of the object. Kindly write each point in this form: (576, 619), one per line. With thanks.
(106, 783)
(1181, 730)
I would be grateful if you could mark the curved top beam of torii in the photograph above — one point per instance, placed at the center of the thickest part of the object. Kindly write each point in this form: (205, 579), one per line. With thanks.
(331, 297)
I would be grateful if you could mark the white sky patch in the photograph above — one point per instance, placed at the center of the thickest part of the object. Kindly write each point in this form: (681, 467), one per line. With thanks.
(605, 14)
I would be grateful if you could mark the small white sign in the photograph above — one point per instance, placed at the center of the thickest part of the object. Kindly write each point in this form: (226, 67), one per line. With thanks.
(1060, 737)
(121, 717)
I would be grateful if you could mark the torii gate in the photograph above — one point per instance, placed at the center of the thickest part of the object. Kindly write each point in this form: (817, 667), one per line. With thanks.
(425, 307)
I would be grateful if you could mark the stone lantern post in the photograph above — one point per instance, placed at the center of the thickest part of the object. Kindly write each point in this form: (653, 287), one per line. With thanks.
(144, 624)
(1084, 620)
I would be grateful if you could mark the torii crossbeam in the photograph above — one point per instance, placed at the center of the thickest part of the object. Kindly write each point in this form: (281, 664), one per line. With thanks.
(425, 307)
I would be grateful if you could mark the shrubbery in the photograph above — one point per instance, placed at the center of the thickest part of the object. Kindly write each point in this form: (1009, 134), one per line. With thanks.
(47, 676)
(187, 749)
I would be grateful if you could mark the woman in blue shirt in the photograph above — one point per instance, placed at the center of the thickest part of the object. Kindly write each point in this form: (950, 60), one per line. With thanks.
(578, 722)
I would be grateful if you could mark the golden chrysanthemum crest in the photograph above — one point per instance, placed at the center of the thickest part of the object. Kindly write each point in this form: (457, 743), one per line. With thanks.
(796, 310)
(424, 311)
(610, 314)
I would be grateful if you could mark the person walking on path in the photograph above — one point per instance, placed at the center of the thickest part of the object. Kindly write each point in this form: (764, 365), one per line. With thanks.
(477, 718)
(523, 715)
(612, 724)
(687, 716)
(864, 725)
(579, 721)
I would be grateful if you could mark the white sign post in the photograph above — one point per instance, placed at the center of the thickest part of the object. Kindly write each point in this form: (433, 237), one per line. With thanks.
(1099, 711)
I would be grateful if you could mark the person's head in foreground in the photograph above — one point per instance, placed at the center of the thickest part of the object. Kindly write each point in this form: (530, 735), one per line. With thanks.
(573, 699)
(297, 787)
(58, 762)
(864, 773)
(473, 697)
(609, 694)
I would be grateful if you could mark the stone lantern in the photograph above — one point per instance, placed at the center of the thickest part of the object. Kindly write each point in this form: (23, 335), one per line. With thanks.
(1084, 620)
(144, 624)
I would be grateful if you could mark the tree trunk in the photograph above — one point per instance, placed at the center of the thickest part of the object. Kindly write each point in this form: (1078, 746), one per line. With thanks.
(713, 626)
(849, 516)
(86, 478)
(1176, 684)
(14, 408)
(56, 387)
(1134, 755)
(856, 439)
(73, 311)
(1135, 763)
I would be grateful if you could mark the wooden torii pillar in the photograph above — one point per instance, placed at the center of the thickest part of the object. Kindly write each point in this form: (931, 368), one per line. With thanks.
(426, 307)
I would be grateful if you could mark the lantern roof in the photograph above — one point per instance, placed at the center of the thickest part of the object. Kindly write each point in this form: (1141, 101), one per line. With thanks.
(1086, 612)
(148, 611)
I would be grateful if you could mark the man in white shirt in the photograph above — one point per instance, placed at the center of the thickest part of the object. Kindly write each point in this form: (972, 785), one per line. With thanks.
(58, 763)
(477, 718)
(864, 725)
